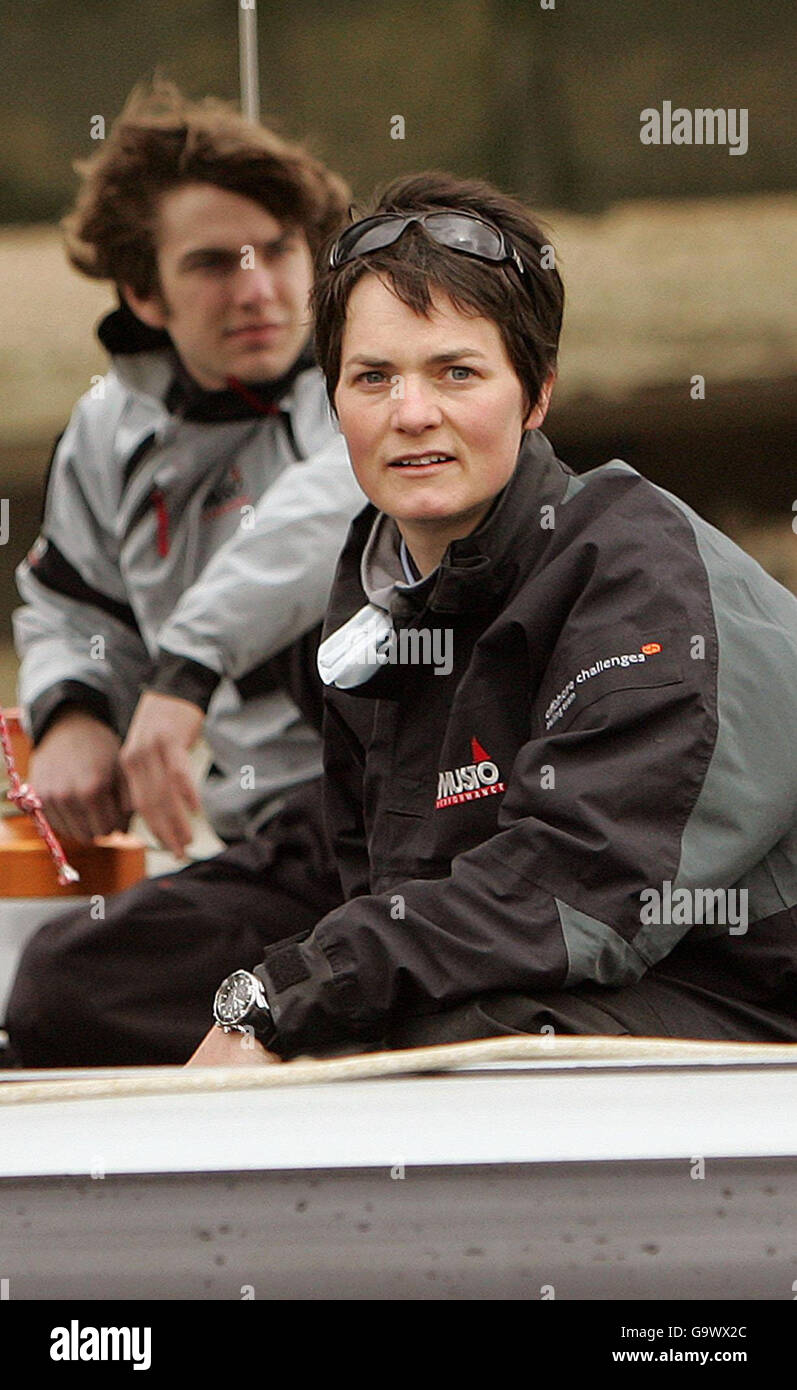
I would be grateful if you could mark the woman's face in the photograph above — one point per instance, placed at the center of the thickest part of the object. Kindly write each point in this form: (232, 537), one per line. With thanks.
(432, 411)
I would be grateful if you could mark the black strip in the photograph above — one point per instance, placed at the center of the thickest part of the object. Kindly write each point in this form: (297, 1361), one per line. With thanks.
(123, 332)
(294, 670)
(53, 570)
(138, 454)
(284, 964)
(286, 968)
(288, 423)
(237, 401)
(184, 679)
(142, 511)
(52, 703)
(261, 680)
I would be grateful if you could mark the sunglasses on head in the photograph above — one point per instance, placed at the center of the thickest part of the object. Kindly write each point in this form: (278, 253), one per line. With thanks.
(460, 231)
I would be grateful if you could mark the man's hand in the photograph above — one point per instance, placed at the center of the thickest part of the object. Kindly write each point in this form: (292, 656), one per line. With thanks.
(77, 774)
(220, 1049)
(155, 761)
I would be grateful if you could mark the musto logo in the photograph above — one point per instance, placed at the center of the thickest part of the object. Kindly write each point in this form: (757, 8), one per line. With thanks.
(479, 778)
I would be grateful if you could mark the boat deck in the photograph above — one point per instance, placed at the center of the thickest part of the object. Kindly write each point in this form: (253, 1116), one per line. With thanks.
(636, 1178)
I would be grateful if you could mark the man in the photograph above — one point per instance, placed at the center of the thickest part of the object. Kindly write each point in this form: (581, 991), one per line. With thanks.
(584, 820)
(194, 509)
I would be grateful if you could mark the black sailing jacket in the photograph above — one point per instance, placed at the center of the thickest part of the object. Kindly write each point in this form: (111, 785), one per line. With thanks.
(614, 743)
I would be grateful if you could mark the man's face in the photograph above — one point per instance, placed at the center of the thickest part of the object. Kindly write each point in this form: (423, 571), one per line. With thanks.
(230, 310)
(414, 388)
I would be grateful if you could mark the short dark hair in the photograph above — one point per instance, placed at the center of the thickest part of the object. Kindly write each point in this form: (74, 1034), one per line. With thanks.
(162, 140)
(529, 323)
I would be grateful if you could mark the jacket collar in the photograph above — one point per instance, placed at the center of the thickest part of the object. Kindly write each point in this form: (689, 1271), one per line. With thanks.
(475, 572)
(146, 360)
(478, 570)
(381, 569)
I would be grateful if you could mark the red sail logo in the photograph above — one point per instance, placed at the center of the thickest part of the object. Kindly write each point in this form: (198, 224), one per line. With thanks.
(471, 782)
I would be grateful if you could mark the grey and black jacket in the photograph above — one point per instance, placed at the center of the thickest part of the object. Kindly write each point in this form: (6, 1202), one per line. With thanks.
(613, 744)
(189, 538)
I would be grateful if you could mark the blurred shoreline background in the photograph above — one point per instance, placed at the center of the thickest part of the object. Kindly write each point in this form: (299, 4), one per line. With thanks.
(678, 260)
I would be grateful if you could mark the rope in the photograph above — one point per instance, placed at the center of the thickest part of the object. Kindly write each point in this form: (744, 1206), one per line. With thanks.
(304, 1071)
(27, 800)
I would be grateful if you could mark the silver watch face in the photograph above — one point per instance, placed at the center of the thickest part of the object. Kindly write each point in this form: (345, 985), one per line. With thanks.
(235, 997)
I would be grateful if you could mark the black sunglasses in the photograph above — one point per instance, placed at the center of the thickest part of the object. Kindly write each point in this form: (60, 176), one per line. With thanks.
(460, 231)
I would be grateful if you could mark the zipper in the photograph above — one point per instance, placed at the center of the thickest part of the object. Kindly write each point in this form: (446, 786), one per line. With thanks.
(162, 517)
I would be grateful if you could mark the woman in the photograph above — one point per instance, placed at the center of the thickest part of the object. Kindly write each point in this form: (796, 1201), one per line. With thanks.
(583, 819)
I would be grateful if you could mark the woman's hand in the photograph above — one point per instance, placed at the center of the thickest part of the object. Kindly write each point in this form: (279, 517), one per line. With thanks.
(234, 1049)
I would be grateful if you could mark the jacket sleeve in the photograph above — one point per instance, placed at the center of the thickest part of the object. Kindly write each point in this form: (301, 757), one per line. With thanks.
(606, 804)
(76, 635)
(266, 586)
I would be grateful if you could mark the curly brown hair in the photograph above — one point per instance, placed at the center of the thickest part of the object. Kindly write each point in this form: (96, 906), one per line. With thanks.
(162, 140)
(529, 323)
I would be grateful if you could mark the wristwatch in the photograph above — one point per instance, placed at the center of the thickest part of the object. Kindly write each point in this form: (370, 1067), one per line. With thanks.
(241, 1006)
